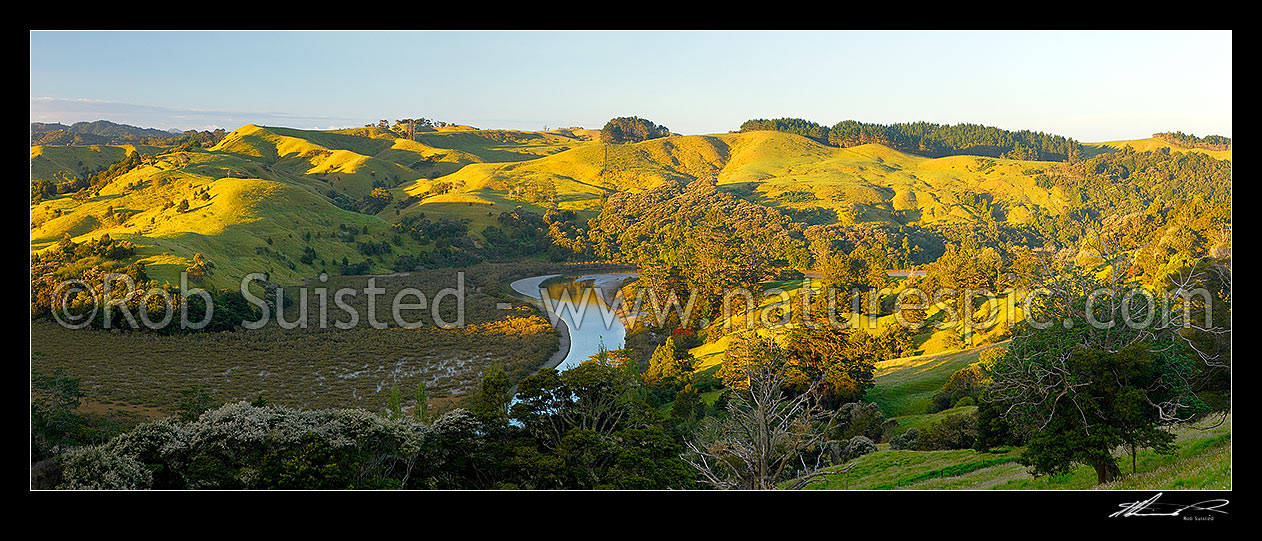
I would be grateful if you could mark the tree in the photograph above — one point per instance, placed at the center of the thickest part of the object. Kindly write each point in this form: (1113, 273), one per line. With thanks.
(422, 402)
(631, 129)
(491, 404)
(54, 421)
(767, 433)
(376, 200)
(1078, 388)
(394, 404)
(666, 367)
(193, 402)
(200, 266)
(837, 357)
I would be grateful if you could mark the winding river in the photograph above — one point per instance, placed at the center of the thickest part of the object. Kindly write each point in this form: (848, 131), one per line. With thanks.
(580, 310)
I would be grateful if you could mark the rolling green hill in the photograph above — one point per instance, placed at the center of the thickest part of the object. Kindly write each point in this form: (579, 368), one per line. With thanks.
(1202, 461)
(1151, 143)
(857, 184)
(256, 195)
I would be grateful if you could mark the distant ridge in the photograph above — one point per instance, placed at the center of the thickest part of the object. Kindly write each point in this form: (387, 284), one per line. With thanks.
(100, 132)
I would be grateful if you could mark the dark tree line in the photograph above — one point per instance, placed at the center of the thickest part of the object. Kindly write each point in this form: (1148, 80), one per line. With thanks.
(104, 132)
(805, 128)
(1209, 142)
(929, 139)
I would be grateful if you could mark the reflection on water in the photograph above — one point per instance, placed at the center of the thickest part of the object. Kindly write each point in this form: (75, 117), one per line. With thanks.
(577, 301)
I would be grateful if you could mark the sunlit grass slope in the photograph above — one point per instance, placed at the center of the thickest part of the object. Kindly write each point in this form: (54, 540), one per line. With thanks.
(906, 386)
(256, 196)
(48, 161)
(246, 225)
(858, 184)
(1152, 143)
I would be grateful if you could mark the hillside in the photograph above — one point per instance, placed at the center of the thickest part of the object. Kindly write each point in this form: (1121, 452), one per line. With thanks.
(97, 132)
(857, 184)
(256, 194)
(1202, 461)
(1151, 143)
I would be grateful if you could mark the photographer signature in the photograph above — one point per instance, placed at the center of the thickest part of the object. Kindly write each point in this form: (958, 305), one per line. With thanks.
(1149, 507)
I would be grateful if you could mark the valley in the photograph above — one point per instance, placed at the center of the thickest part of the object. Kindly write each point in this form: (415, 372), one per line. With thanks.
(496, 213)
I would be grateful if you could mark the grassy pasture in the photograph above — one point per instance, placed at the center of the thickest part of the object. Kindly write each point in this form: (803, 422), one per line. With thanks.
(906, 386)
(1202, 461)
(1144, 145)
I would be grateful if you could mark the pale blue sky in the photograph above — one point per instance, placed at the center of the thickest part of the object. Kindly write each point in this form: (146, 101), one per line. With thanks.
(1092, 86)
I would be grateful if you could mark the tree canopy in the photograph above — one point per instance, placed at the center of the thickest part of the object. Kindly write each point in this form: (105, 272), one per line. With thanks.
(631, 129)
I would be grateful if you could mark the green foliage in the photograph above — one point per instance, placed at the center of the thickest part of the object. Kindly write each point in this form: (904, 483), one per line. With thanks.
(797, 126)
(863, 268)
(668, 366)
(697, 237)
(906, 440)
(394, 404)
(1211, 142)
(937, 140)
(826, 354)
(95, 468)
(311, 463)
(589, 430)
(856, 419)
(1078, 390)
(238, 446)
(421, 408)
(195, 401)
(55, 424)
(376, 200)
(492, 401)
(857, 447)
(958, 431)
(993, 429)
(631, 129)
(767, 434)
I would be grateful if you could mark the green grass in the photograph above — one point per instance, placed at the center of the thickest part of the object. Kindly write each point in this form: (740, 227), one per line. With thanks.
(906, 386)
(1144, 145)
(491, 171)
(922, 421)
(887, 469)
(1202, 461)
(882, 184)
(272, 183)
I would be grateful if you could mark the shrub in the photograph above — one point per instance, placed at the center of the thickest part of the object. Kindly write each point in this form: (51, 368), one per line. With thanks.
(97, 468)
(860, 419)
(941, 401)
(906, 440)
(957, 431)
(857, 447)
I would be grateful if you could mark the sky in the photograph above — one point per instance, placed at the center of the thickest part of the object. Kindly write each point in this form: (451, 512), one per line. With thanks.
(1088, 85)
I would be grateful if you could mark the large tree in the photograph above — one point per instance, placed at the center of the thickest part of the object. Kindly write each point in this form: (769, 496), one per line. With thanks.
(631, 129)
(1093, 372)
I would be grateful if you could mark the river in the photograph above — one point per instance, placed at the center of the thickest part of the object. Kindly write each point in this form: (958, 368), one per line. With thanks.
(584, 325)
